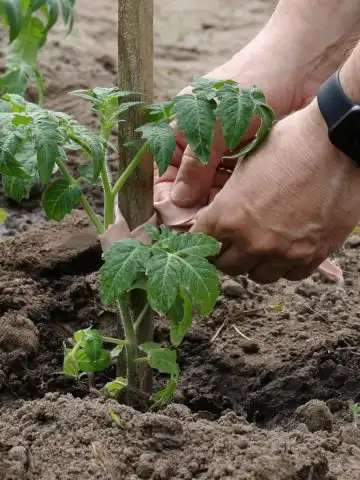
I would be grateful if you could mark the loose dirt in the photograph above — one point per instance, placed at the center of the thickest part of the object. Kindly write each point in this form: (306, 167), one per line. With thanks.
(266, 379)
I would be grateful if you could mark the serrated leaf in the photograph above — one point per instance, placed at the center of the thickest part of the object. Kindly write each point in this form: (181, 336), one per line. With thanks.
(201, 280)
(197, 244)
(87, 174)
(159, 233)
(90, 142)
(159, 111)
(3, 216)
(60, 198)
(195, 118)
(164, 396)
(14, 17)
(180, 316)
(86, 365)
(14, 81)
(164, 277)
(114, 388)
(267, 118)
(46, 134)
(161, 139)
(20, 188)
(124, 261)
(235, 113)
(9, 146)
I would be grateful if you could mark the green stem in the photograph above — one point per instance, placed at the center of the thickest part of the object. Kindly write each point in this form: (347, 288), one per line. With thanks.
(115, 341)
(87, 207)
(141, 317)
(129, 170)
(109, 216)
(131, 348)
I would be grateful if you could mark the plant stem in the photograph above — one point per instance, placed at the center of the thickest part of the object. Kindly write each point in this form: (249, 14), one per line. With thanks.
(131, 348)
(105, 178)
(129, 170)
(87, 207)
(141, 317)
(115, 341)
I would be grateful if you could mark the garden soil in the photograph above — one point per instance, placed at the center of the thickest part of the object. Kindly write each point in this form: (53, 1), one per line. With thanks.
(266, 379)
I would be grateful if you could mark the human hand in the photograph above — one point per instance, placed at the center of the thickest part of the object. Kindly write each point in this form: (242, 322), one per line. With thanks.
(288, 207)
(290, 80)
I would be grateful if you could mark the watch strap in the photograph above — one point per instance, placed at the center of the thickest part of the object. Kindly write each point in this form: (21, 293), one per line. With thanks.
(332, 100)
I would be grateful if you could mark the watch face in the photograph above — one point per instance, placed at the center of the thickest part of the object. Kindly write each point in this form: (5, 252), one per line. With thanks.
(345, 135)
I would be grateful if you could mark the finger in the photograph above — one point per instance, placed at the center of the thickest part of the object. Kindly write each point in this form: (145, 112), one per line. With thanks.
(303, 271)
(194, 180)
(270, 271)
(233, 263)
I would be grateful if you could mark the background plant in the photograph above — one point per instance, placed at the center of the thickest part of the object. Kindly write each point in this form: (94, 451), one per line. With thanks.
(28, 23)
(173, 269)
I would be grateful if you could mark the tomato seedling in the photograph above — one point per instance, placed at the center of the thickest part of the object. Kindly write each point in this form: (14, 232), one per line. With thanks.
(173, 269)
(29, 22)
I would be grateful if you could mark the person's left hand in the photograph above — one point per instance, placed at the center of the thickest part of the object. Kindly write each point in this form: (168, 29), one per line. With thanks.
(286, 208)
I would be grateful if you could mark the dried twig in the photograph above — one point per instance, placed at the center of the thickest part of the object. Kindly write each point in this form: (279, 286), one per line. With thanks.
(104, 460)
(240, 333)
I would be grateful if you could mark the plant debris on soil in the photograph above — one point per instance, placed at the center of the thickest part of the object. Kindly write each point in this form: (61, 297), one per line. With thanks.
(266, 379)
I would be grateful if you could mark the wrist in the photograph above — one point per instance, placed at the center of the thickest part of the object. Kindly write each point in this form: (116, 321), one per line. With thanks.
(350, 76)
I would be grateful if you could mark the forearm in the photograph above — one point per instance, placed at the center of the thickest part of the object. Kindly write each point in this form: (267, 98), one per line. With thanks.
(314, 34)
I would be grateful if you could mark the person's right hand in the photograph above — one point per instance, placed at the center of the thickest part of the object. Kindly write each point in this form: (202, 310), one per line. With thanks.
(279, 70)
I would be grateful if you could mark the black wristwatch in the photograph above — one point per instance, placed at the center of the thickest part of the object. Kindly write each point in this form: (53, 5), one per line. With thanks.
(342, 117)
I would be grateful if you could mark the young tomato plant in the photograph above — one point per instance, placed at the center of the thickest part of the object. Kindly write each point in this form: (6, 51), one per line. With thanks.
(29, 22)
(173, 269)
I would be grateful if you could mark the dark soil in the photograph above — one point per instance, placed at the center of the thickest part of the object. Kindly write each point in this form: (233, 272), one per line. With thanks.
(266, 379)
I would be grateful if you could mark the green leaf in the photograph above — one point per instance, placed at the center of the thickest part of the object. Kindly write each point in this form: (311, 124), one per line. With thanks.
(158, 234)
(162, 142)
(3, 216)
(197, 244)
(46, 134)
(201, 280)
(87, 174)
(267, 118)
(164, 278)
(148, 347)
(90, 143)
(235, 112)
(114, 388)
(195, 118)
(167, 272)
(162, 359)
(163, 397)
(124, 261)
(60, 198)
(159, 111)
(87, 365)
(79, 334)
(14, 81)
(115, 352)
(20, 188)
(92, 344)
(70, 366)
(9, 146)
(14, 17)
(180, 315)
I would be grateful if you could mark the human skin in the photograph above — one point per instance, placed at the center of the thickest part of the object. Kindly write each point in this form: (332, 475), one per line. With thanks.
(295, 201)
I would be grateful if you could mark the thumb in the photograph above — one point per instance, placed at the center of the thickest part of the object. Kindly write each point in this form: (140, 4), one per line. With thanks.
(194, 180)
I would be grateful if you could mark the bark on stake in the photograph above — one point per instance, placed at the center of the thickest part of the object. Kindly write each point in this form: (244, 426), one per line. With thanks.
(135, 51)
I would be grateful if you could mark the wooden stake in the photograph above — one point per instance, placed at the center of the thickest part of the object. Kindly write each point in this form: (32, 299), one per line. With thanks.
(135, 51)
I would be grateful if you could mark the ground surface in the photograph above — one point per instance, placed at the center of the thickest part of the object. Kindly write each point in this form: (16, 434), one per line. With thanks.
(242, 410)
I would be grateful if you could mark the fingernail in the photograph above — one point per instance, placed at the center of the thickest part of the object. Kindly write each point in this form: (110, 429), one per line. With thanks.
(180, 193)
